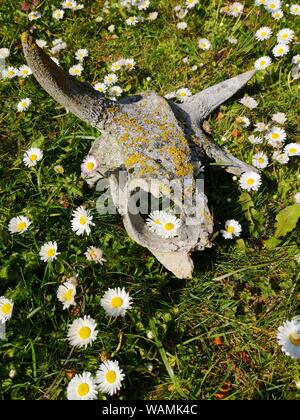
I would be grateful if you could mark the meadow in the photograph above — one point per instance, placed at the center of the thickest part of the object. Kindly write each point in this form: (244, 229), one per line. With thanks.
(213, 336)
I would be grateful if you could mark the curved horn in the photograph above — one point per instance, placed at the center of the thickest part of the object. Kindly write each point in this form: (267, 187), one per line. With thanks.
(202, 104)
(80, 98)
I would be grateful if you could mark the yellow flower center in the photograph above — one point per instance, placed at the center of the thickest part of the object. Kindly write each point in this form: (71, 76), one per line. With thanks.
(263, 33)
(280, 51)
(76, 71)
(32, 157)
(116, 302)
(275, 136)
(90, 166)
(250, 181)
(25, 71)
(284, 36)
(21, 226)
(230, 229)
(292, 150)
(295, 338)
(24, 105)
(111, 376)
(6, 308)
(203, 45)
(157, 222)
(83, 390)
(84, 333)
(82, 220)
(263, 62)
(261, 160)
(169, 226)
(51, 252)
(69, 294)
(11, 72)
(272, 6)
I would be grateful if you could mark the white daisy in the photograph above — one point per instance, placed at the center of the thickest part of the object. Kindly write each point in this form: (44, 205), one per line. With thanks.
(285, 36)
(260, 127)
(81, 54)
(277, 15)
(295, 9)
(69, 4)
(81, 222)
(82, 332)
(275, 136)
(115, 91)
(280, 50)
(34, 16)
(109, 377)
(58, 14)
(181, 14)
(260, 160)
(181, 25)
(41, 43)
(110, 28)
(255, 139)
(152, 16)
(82, 387)
(19, 224)
(296, 59)
(58, 169)
(272, 5)
(191, 3)
(249, 102)
(23, 104)
(232, 229)
(288, 338)
(66, 294)
(24, 71)
(129, 64)
(263, 33)
(76, 70)
(95, 254)
(116, 66)
(260, 2)
(143, 4)
(101, 87)
(79, 6)
(49, 252)
(262, 62)
(243, 121)
(280, 157)
(131, 21)
(292, 149)
(250, 181)
(9, 73)
(154, 220)
(236, 9)
(110, 79)
(279, 117)
(32, 156)
(116, 301)
(182, 94)
(90, 165)
(297, 198)
(204, 44)
(6, 308)
(4, 53)
(169, 226)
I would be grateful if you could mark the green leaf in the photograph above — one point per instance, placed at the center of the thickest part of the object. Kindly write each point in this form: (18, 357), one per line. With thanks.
(287, 220)
(271, 243)
(253, 216)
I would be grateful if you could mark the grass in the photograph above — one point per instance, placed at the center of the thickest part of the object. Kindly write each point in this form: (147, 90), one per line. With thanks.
(212, 337)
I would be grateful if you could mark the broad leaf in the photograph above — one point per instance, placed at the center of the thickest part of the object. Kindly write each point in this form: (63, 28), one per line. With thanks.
(286, 220)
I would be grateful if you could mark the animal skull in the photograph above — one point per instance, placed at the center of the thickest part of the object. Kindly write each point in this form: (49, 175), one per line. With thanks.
(157, 143)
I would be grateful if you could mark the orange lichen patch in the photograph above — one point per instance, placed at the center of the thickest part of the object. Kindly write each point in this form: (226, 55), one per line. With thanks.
(180, 159)
(133, 160)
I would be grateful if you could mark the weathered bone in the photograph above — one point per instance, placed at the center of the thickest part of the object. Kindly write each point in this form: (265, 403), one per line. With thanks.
(155, 142)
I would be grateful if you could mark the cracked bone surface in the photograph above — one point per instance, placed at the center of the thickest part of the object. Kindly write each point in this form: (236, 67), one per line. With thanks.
(155, 143)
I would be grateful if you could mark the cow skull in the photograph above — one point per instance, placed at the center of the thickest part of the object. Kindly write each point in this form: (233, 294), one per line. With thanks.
(156, 143)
